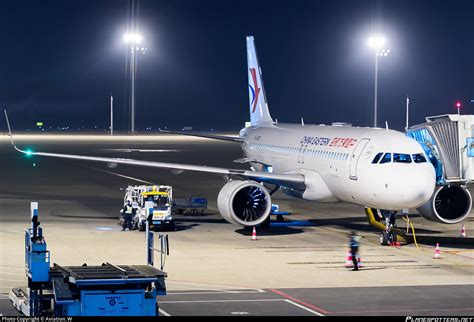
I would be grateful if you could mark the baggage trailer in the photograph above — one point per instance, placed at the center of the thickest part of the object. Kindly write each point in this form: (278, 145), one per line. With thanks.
(193, 205)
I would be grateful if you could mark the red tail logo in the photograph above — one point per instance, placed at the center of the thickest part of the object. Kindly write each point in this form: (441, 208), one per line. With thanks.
(255, 88)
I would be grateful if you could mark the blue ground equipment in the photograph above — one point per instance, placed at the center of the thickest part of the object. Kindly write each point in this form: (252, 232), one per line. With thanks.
(275, 211)
(106, 290)
(190, 205)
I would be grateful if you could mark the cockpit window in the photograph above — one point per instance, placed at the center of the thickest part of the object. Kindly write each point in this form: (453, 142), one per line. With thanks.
(401, 158)
(386, 158)
(377, 158)
(418, 158)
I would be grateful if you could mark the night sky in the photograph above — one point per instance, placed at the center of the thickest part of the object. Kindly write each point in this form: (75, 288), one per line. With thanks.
(60, 60)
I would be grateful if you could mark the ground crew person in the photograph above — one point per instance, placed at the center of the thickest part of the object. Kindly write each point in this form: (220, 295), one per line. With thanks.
(127, 214)
(354, 245)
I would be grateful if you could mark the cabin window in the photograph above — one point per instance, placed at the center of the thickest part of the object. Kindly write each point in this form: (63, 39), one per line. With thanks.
(418, 158)
(401, 158)
(387, 158)
(377, 158)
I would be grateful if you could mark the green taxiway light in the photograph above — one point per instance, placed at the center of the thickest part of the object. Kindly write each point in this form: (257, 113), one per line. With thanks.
(39, 123)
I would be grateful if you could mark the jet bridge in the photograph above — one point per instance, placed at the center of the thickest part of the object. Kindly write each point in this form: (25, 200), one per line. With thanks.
(448, 141)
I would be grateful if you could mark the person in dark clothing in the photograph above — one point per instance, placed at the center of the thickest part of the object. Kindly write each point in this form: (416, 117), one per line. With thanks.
(354, 245)
(127, 214)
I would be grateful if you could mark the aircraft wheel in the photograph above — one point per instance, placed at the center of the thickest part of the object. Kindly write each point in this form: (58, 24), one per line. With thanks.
(392, 237)
(384, 239)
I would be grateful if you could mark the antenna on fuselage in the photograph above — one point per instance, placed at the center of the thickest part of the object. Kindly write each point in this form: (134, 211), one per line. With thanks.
(408, 110)
(386, 125)
(302, 121)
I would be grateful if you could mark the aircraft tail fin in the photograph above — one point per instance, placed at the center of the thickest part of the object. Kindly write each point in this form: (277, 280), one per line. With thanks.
(259, 113)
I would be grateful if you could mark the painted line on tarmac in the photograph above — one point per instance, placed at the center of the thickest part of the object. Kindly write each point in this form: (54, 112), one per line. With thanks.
(223, 287)
(139, 150)
(11, 280)
(13, 273)
(407, 310)
(215, 292)
(222, 301)
(304, 307)
(163, 312)
(13, 267)
(289, 297)
(120, 175)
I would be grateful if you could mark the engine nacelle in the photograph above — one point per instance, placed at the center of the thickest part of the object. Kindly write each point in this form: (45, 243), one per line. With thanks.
(448, 205)
(246, 203)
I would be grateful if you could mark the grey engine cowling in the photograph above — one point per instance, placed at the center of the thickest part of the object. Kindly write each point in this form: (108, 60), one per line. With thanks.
(448, 205)
(246, 203)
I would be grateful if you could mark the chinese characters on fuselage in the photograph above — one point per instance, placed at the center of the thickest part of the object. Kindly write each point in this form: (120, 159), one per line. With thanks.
(323, 141)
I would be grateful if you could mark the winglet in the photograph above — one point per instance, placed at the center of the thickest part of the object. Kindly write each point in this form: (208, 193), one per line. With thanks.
(8, 123)
(10, 132)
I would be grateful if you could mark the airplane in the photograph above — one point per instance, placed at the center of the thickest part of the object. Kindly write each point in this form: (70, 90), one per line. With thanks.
(372, 167)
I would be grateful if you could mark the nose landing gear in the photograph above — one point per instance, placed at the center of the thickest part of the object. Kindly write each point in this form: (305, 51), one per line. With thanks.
(387, 238)
(385, 221)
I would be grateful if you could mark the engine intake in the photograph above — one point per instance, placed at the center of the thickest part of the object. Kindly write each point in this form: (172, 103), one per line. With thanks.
(448, 205)
(246, 203)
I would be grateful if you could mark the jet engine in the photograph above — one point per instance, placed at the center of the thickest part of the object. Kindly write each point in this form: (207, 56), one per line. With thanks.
(246, 203)
(448, 205)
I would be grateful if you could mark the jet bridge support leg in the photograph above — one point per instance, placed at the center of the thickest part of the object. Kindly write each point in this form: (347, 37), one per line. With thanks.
(401, 235)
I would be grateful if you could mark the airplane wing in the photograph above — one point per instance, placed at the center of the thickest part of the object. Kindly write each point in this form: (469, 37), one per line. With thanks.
(205, 135)
(290, 180)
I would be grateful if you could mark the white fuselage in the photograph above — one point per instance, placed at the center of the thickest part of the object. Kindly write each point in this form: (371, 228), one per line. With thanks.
(337, 163)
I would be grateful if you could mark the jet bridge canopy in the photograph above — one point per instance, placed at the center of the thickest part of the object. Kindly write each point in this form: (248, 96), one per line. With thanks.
(448, 141)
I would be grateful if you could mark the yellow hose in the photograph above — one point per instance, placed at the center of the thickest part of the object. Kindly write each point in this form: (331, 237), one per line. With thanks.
(412, 229)
(374, 223)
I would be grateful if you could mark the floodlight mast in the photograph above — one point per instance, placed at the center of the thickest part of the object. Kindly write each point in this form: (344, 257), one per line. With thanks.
(133, 41)
(377, 43)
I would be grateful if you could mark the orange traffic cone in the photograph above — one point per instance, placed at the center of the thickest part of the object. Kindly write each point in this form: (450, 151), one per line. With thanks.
(437, 254)
(463, 231)
(254, 234)
(348, 259)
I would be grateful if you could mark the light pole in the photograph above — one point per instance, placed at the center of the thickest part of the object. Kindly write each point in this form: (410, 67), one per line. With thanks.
(111, 114)
(377, 43)
(133, 41)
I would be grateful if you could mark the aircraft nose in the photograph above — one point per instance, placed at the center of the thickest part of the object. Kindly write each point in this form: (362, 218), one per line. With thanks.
(419, 185)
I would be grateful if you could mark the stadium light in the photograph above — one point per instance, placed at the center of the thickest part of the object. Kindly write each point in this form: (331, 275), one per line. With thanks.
(377, 43)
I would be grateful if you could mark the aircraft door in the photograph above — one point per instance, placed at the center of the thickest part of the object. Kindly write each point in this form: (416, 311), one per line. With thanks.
(355, 158)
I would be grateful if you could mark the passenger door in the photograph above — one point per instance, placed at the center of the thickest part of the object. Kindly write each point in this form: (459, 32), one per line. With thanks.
(355, 158)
